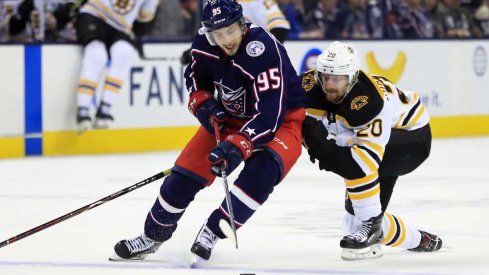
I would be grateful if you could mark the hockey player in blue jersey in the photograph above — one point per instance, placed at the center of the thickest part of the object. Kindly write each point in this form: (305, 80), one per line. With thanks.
(242, 77)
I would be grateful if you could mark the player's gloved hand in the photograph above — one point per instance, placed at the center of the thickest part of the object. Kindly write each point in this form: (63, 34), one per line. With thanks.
(236, 148)
(204, 106)
(186, 57)
(315, 139)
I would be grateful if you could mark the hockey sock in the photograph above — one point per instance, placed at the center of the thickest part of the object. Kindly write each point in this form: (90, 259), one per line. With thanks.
(94, 61)
(252, 188)
(365, 196)
(112, 87)
(176, 193)
(397, 233)
(122, 55)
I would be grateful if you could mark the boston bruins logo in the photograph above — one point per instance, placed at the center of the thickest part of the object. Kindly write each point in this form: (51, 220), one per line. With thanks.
(358, 102)
(308, 82)
(123, 7)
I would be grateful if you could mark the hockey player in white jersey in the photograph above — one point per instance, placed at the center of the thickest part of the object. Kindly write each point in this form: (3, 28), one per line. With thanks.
(264, 13)
(104, 27)
(365, 129)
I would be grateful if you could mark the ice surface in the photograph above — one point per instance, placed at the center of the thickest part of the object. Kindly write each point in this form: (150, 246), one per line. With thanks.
(296, 232)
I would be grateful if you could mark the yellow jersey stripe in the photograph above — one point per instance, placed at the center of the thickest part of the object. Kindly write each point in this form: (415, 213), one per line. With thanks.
(277, 14)
(114, 80)
(87, 82)
(371, 165)
(403, 116)
(104, 12)
(86, 91)
(392, 228)
(403, 233)
(278, 23)
(111, 88)
(365, 195)
(374, 146)
(376, 84)
(418, 115)
(360, 181)
(316, 112)
(338, 117)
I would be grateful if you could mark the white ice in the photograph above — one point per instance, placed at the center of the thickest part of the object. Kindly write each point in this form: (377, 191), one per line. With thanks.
(296, 232)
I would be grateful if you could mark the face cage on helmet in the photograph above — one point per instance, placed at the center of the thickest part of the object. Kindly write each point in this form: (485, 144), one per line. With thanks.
(351, 82)
(208, 33)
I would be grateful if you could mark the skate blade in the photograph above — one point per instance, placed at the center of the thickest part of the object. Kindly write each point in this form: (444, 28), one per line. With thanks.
(84, 126)
(228, 232)
(101, 124)
(116, 258)
(197, 261)
(371, 252)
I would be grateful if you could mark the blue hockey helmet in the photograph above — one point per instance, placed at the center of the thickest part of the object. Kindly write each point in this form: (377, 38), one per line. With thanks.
(217, 14)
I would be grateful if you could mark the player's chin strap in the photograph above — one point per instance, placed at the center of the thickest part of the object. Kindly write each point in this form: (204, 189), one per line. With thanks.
(230, 232)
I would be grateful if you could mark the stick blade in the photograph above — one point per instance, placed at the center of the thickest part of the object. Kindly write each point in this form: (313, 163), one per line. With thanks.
(228, 231)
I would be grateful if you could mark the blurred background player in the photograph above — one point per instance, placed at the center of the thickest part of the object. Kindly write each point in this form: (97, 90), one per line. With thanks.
(264, 13)
(368, 131)
(60, 20)
(104, 27)
(36, 20)
(21, 21)
(260, 106)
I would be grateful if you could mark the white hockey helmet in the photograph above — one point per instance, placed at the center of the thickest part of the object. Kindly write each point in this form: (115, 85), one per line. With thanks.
(339, 59)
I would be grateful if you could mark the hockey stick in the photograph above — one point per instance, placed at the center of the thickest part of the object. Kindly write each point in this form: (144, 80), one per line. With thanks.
(142, 54)
(86, 207)
(223, 225)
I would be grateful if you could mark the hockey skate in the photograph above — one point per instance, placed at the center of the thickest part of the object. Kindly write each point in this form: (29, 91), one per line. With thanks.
(103, 118)
(429, 243)
(83, 119)
(203, 244)
(134, 249)
(365, 242)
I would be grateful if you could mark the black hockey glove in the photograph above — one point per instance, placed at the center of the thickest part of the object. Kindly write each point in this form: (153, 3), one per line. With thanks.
(186, 57)
(314, 136)
(204, 106)
(230, 153)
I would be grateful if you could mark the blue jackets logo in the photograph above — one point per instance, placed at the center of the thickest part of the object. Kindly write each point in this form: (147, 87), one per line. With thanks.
(255, 48)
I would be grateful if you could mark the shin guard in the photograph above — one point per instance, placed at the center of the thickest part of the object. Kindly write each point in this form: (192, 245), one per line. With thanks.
(252, 188)
(176, 193)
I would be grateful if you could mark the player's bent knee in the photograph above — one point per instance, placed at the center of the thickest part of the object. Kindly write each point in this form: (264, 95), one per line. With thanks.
(259, 176)
(179, 190)
(122, 50)
(95, 55)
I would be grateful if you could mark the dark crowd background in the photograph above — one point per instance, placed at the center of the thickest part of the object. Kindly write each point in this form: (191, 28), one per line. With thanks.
(51, 21)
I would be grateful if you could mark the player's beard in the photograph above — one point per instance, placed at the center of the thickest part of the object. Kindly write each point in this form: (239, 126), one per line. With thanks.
(333, 95)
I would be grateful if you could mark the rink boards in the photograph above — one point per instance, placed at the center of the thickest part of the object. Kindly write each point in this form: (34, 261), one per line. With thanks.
(38, 94)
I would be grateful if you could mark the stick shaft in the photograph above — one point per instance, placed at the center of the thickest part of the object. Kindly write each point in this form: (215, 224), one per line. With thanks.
(85, 208)
(226, 185)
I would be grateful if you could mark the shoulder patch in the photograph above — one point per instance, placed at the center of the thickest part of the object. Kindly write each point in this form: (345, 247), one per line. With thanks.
(308, 82)
(358, 102)
(362, 104)
(255, 48)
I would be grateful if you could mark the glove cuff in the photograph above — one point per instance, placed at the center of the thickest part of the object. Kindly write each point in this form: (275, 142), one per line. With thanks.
(243, 142)
(196, 98)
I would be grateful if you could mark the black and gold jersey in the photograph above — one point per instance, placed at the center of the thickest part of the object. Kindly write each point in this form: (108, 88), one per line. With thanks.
(361, 125)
